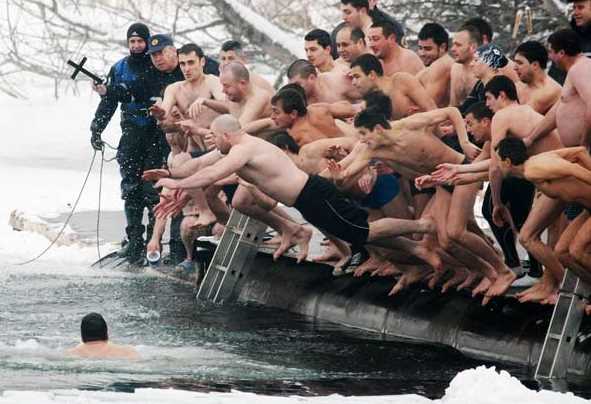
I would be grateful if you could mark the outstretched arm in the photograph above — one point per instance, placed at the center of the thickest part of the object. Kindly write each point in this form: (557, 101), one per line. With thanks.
(551, 167)
(231, 163)
(578, 155)
(259, 125)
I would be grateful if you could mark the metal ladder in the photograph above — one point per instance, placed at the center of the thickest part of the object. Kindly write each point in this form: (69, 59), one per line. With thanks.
(564, 326)
(232, 258)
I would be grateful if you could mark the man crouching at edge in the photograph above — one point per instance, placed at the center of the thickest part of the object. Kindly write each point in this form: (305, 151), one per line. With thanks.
(95, 341)
(268, 172)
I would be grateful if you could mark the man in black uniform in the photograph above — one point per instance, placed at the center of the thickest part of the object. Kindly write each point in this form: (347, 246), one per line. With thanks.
(142, 144)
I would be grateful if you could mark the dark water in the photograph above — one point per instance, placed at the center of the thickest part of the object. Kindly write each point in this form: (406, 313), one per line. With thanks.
(189, 345)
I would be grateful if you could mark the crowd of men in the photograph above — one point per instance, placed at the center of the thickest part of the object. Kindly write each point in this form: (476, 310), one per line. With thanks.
(381, 147)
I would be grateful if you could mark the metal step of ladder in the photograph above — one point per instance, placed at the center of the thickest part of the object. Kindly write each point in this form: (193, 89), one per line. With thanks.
(564, 327)
(232, 258)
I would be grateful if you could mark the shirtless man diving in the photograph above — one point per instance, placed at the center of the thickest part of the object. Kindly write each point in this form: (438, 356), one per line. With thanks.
(269, 169)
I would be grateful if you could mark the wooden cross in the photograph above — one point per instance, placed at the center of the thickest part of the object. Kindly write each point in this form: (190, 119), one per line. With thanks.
(79, 68)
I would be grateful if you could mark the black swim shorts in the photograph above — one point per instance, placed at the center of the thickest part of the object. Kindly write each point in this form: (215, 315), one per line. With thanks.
(327, 208)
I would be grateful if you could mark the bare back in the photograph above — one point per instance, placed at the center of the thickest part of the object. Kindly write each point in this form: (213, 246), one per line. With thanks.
(416, 152)
(518, 121)
(406, 61)
(436, 79)
(270, 169)
(103, 350)
(317, 124)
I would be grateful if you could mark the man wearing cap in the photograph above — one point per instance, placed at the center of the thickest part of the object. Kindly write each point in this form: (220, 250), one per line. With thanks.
(142, 145)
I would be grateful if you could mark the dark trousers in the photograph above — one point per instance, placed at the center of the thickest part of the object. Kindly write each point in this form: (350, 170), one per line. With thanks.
(140, 148)
(517, 194)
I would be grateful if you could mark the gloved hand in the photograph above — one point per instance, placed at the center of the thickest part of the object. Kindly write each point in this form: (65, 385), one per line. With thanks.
(96, 141)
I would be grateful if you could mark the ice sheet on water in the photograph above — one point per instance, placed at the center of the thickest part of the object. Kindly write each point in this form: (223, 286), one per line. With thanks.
(475, 386)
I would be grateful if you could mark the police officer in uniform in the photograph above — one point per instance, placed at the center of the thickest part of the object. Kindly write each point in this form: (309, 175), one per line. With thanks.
(142, 145)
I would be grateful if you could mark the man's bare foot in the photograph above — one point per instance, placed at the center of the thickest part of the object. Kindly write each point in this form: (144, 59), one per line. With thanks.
(469, 281)
(331, 254)
(430, 257)
(533, 289)
(500, 286)
(551, 300)
(273, 241)
(436, 276)
(386, 268)
(459, 275)
(300, 238)
(372, 264)
(482, 287)
(412, 275)
(540, 294)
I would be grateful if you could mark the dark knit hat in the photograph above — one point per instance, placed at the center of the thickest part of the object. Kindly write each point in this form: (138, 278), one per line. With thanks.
(492, 55)
(138, 29)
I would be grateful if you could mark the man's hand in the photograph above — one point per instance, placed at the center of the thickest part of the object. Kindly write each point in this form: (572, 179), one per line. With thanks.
(171, 205)
(445, 172)
(187, 126)
(100, 89)
(167, 183)
(502, 216)
(229, 180)
(196, 107)
(425, 181)
(528, 141)
(471, 150)
(209, 140)
(335, 152)
(368, 181)
(176, 113)
(335, 169)
(155, 174)
(157, 112)
(96, 141)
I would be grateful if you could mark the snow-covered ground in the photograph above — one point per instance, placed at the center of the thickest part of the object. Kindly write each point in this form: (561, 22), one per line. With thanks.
(476, 386)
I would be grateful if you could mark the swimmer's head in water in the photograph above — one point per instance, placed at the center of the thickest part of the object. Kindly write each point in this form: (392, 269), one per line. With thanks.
(372, 125)
(512, 152)
(365, 71)
(94, 328)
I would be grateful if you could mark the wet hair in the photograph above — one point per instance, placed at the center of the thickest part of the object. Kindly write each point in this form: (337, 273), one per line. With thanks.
(436, 32)
(357, 4)
(238, 71)
(357, 34)
(232, 45)
(479, 111)
(370, 118)
(514, 149)
(565, 40)
(482, 26)
(291, 100)
(387, 27)
(285, 142)
(296, 87)
(94, 328)
(379, 102)
(189, 48)
(473, 33)
(504, 84)
(301, 67)
(320, 36)
(533, 51)
(368, 63)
